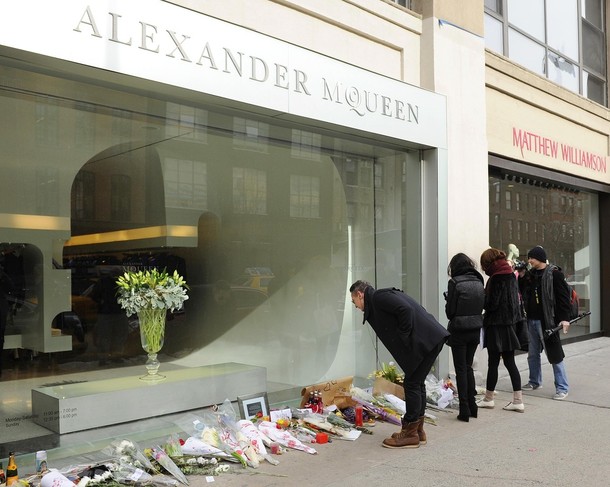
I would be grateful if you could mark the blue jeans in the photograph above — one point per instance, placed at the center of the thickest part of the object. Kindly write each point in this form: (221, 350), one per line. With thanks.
(534, 328)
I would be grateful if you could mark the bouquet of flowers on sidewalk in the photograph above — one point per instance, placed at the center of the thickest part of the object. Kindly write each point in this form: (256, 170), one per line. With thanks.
(390, 373)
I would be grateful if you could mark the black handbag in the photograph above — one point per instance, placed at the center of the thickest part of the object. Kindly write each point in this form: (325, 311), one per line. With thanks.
(522, 334)
(521, 329)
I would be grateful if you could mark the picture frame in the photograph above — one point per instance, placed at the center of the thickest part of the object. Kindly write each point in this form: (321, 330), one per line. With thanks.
(252, 404)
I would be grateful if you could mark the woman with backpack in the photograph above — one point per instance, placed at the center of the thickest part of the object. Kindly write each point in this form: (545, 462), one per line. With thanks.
(465, 298)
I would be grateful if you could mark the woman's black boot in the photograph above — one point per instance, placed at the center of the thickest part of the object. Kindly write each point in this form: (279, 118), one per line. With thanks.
(465, 412)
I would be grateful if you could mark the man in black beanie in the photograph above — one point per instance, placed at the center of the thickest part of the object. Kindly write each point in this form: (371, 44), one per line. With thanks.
(547, 303)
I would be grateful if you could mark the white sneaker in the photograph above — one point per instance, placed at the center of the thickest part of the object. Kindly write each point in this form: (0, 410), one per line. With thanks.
(486, 404)
(511, 406)
(560, 396)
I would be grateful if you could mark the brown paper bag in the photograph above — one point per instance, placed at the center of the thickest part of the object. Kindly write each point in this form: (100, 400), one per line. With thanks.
(329, 390)
(384, 386)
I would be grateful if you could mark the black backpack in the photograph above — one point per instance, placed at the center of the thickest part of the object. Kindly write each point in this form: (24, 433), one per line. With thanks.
(574, 302)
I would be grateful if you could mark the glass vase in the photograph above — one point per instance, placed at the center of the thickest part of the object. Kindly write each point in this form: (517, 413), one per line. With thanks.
(152, 335)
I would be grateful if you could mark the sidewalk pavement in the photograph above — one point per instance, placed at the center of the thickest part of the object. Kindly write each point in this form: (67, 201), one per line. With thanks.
(553, 443)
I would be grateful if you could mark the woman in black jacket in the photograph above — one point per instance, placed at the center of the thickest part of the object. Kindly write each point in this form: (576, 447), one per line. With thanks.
(465, 298)
(502, 312)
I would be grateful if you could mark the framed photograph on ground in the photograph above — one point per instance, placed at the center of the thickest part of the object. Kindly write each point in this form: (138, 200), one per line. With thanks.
(252, 404)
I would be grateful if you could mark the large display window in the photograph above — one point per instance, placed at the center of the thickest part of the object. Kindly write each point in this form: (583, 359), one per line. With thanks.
(528, 211)
(268, 222)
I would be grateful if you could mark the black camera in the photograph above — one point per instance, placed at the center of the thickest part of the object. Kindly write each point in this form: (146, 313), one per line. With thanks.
(520, 265)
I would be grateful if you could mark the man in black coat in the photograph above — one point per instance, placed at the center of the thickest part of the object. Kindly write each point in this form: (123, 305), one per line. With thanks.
(414, 338)
(547, 303)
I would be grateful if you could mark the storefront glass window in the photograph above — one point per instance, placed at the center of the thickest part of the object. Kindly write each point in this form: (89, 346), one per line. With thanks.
(528, 17)
(269, 224)
(562, 72)
(561, 223)
(526, 52)
(556, 41)
(494, 34)
(562, 28)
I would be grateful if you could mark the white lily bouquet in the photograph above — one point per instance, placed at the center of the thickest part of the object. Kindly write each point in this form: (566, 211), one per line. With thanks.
(151, 294)
(151, 289)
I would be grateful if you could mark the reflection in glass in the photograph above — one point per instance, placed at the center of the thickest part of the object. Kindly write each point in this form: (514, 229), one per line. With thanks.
(593, 12)
(593, 48)
(306, 145)
(495, 5)
(562, 28)
(268, 223)
(304, 196)
(526, 52)
(563, 72)
(527, 16)
(493, 34)
(185, 183)
(594, 88)
(561, 225)
(250, 134)
(249, 191)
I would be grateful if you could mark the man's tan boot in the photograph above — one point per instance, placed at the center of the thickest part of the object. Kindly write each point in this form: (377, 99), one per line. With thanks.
(407, 438)
(404, 425)
(420, 431)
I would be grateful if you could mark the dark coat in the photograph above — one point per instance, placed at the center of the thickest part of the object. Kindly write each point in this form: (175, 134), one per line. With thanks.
(555, 305)
(406, 329)
(502, 313)
(465, 301)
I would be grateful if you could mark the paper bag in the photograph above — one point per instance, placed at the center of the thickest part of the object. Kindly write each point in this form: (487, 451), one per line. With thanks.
(384, 386)
(328, 390)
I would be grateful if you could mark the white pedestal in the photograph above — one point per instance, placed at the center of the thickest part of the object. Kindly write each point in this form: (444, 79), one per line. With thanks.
(79, 406)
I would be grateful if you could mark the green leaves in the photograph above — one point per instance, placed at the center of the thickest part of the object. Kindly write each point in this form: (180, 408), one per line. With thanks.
(137, 290)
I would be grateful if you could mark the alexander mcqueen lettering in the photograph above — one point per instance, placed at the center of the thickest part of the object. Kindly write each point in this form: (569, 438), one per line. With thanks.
(233, 62)
(174, 45)
(364, 101)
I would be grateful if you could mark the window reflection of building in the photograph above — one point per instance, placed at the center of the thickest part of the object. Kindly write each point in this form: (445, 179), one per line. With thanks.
(120, 197)
(304, 196)
(249, 191)
(186, 183)
(188, 122)
(47, 123)
(83, 196)
(250, 134)
(546, 40)
(305, 145)
(555, 218)
(84, 127)
(213, 192)
(47, 195)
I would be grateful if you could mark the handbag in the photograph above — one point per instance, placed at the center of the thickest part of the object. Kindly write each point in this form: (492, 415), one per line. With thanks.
(521, 329)
(522, 334)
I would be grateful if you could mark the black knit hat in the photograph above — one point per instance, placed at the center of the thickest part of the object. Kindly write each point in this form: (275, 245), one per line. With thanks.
(537, 253)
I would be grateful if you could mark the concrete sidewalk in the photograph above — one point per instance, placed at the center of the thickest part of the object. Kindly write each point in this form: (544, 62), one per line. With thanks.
(554, 443)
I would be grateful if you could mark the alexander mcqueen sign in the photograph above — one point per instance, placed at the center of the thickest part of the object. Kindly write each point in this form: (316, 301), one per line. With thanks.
(154, 40)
